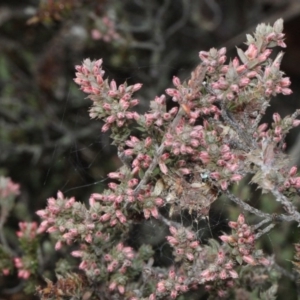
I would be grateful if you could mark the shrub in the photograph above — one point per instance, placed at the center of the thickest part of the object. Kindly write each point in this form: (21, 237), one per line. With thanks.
(174, 162)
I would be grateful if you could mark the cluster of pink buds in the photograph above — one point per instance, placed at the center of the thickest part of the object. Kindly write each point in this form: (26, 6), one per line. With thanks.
(293, 181)
(213, 59)
(110, 102)
(242, 241)
(184, 243)
(8, 187)
(280, 84)
(104, 30)
(90, 76)
(140, 149)
(149, 203)
(23, 271)
(158, 114)
(222, 270)
(8, 192)
(27, 230)
(173, 286)
(79, 225)
(270, 35)
(118, 261)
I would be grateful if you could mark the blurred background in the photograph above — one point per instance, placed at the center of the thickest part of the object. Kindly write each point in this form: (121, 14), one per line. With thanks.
(48, 142)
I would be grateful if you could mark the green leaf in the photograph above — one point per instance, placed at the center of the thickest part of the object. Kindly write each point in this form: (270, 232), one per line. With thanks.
(269, 294)
(242, 55)
(239, 259)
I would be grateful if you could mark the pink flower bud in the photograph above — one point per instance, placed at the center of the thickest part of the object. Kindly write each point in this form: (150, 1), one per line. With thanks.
(88, 238)
(77, 253)
(99, 79)
(154, 212)
(262, 127)
(204, 156)
(233, 225)
(120, 216)
(173, 230)
(159, 201)
(263, 57)
(163, 167)
(105, 217)
(241, 219)
(148, 142)
(234, 88)
(189, 256)
(227, 156)
(194, 244)
(58, 245)
(240, 69)
(244, 81)
(134, 102)
(222, 51)
(293, 171)
(173, 241)
(136, 87)
(251, 74)
(121, 289)
(228, 239)
(121, 88)
(296, 123)
(236, 177)
(286, 91)
(118, 199)
(233, 274)
(230, 96)
(5, 272)
(224, 185)
(112, 286)
(249, 260)
(264, 261)
(112, 93)
(172, 274)
(251, 52)
(171, 92)
(113, 185)
(278, 130)
(276, 118)
(52, 229)
(285, 82)
(250, 239)
(203, 55)
(160, 287)
(176, 81)
(215, 175)
(223, 274)
(115, 175)
(41, 213)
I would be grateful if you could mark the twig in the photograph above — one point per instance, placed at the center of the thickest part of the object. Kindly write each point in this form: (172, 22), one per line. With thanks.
(159, 152)
(247, 207)
(255, 227)
(267, 217)
(284, 272)
(260, 115)
(169, 222)
(265, 230)
(288, 206)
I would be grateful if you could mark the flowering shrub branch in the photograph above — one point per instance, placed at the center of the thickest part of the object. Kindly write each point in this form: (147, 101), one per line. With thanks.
(180, 160)
(214, 137)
